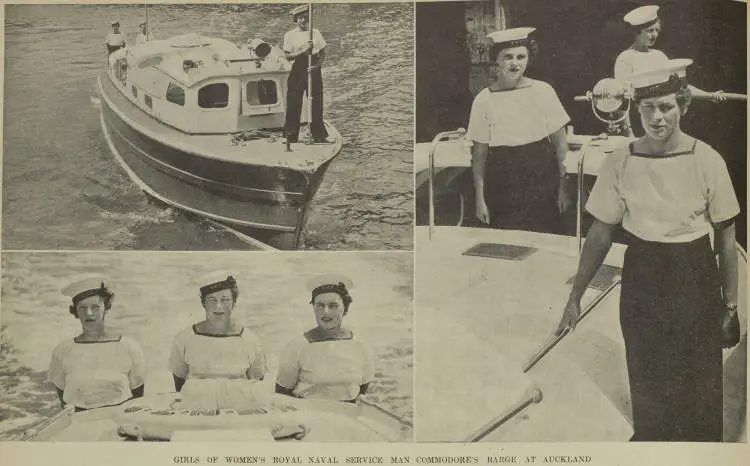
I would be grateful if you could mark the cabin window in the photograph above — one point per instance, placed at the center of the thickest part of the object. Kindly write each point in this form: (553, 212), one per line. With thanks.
(134, 90)
(175, 94)
(147, 99)
(213, 96)
(262, 92)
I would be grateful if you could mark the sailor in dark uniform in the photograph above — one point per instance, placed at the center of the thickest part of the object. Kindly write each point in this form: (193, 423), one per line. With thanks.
(115, 40)
(296, 45)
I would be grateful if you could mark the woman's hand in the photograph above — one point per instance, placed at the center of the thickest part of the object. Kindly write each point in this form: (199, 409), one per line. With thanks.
(730, 327)
(563, 200)
(570, 317)
(718, 96)
(313, 68)
(482, 212)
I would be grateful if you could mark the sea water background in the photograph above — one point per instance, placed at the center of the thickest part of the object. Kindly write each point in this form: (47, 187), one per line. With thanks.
(62, 188)
(156, 297)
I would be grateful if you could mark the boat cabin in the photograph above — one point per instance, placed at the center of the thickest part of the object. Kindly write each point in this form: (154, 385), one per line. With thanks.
(202, 85)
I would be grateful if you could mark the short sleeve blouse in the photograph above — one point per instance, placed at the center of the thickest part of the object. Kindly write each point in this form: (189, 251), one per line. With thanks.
(330, 370)
(209, 356)
(631, 62)
(673, 198)
(516, 117)
(297, 38)
(97, 374)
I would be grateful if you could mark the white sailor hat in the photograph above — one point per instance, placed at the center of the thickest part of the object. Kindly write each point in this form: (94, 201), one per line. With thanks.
(643, 16)
(329, 279)
(115, 22)
(143, 23)
(298, 10)
(666, 79)
(514, 37)
(85, 287)
(215, 281)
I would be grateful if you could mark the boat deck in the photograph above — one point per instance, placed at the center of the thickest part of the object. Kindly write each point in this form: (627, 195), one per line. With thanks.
(270, 151)
(482, 318)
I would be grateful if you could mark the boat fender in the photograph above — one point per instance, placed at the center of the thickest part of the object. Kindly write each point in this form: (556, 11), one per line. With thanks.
(121, 69)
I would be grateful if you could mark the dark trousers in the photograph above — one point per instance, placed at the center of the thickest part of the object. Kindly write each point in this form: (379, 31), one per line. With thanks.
(670, 310)
(296, 89)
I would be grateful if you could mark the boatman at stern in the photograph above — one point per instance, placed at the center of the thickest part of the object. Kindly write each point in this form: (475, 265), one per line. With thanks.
(296, 45)
(115, 39)
(143, 35)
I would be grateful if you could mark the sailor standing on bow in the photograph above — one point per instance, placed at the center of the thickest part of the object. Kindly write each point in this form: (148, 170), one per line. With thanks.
(143, 35)
(115, 40)
(298, 45)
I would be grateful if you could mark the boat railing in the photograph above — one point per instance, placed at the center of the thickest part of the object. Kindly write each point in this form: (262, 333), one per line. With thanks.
(445, 135)
(534, 396)
(557, 337)
(50, 426)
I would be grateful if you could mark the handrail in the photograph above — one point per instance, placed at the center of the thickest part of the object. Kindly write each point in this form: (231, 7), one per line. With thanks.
(431, 173)
(555, 339)
(33, 432)
(534, 397)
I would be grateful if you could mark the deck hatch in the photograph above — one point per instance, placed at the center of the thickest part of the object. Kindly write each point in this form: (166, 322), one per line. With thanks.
(500, 251)
(603, 278)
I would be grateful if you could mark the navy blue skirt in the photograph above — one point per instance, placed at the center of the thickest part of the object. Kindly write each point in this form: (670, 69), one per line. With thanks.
(670, 312)
(520, 187)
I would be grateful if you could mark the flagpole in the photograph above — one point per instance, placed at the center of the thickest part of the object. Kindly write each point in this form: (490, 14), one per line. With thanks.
(309, 75)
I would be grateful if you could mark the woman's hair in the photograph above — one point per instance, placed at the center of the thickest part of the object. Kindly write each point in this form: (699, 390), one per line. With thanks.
(103, 291)
(338, 288)
(530, 45)
(683, 95)
(229, 284)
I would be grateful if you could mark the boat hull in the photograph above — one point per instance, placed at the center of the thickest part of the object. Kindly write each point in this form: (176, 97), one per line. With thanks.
(257, 199)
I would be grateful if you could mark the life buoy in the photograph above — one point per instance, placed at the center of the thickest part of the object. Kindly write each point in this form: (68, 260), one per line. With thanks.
(121, 69)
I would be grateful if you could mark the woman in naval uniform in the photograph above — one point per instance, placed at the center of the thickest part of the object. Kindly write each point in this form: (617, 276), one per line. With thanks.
(297, 46)
(669, 191)
(641, 56)
(96, 368)
(115, 40)
(329, 361)
(517, 126)
(217, 347)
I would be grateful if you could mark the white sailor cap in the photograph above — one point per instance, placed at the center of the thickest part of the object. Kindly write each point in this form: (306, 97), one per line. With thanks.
(115, 22)
(329, 279)
(143, 23)
(514, 37)
(643, 16)
(298, 10)
(85, 287)
(666, 79)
